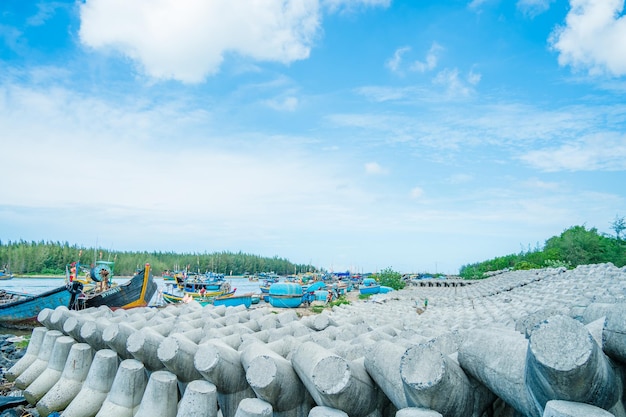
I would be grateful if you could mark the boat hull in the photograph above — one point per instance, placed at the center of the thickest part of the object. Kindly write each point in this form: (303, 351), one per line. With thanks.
(22, 314)
(137, 292)
(372, 289)
(285, 301)
(234, 300)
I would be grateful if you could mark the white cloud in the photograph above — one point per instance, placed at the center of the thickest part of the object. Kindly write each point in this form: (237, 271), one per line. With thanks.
(431, 59)
(394, 63)
(417, 192)
(186, 40)
(351, 5)
(532, 8)
(600, 152)
(593, 38)
(284, 104)
(454, 84)
(374, 168)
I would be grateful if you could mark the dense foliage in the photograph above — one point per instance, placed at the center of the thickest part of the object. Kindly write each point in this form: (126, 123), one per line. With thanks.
(389, 278)
(52, 257)
(575, 246)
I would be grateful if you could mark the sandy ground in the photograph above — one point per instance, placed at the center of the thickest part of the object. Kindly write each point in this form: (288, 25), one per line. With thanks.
(352, 296)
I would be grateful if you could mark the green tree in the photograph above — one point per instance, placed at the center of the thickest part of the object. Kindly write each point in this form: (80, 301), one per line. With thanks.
(390, 278)
(618, 226)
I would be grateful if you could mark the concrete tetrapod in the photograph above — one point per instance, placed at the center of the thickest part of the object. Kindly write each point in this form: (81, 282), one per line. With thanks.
(143, 345)
(116, 336)
(221, 365)
(555, 372)
(71, 381)
(560, 408)
(199, 400)
(39, 365)
(96, 387)
(32, 350)
(254, 407)
(126, 392)
(161, 396)
(383, 365)
(497, 358)
(335, 382)
(417, 412)
(614, 333)
(273, 380)
(323, 411)
(53, 371)
(177, 353)
(434, 381)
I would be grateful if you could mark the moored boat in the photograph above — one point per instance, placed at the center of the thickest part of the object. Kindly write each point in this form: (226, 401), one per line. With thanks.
(136, 292)
(370, 286)
(233, 300)
(20, 311)
(285, 295)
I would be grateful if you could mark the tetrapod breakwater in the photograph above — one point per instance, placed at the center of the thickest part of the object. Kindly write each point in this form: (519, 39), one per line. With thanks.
(549, 342)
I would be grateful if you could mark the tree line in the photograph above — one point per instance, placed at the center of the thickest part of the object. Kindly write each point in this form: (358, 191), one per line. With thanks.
(575, 246)
(51, 258)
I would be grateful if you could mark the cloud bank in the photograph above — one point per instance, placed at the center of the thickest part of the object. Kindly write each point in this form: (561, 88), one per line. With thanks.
(593, 38)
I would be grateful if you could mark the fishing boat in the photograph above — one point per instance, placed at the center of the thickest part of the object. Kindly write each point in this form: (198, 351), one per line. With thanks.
(202, 298)
(4, 275)
(285, 295)
(136, 292)
(370, 286)
(19, 311)
(233, 300)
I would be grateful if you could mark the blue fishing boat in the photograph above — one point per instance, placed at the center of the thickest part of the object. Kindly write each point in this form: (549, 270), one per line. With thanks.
(20, 311)
(233, 300)
(369, 286)
(285, 295)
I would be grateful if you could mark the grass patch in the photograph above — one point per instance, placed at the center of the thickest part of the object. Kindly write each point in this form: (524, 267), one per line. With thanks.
(364, 296)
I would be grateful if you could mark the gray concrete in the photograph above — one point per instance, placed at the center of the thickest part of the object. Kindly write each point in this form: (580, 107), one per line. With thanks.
(177, 353)
(560, 408)
(96, 387)
(220, 364)
(39, 365)
(32, 350)
(497, 359)
(68, 386)
(199, 400)
(334, 382)
(434, 381)
(274, 380)
(126, 392)
(562, 353)
(44, 382)
(160, 398)
(614, 334)
(253, 407)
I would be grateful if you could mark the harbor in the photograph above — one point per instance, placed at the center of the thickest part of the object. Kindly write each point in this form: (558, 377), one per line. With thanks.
(530, 343)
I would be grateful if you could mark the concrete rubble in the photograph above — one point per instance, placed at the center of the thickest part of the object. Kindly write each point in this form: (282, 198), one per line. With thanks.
(537, 343)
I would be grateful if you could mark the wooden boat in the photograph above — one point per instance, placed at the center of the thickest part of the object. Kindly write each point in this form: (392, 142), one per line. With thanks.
(233, 300)
(20, 311)
(202, 298)
(136, 292)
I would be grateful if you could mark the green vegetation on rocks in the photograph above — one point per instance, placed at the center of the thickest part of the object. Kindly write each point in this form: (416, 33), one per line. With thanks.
(575, 246)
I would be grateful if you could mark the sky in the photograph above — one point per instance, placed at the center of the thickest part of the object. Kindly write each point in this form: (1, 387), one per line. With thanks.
(347, 134)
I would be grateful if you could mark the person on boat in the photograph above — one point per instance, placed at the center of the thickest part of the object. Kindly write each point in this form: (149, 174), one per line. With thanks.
(104, 273)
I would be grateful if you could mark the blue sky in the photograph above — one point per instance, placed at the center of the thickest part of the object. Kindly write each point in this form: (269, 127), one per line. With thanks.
(351, 134)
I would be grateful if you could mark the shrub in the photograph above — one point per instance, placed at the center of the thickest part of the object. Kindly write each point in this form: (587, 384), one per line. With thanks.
(390, 278)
